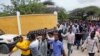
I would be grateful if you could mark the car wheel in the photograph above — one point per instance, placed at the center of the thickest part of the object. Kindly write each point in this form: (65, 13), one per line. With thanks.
(4, 49)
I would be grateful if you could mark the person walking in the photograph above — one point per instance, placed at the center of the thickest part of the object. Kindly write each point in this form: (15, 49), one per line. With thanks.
(71, 38)
(98, 36)
(85, 35)
(90, 44)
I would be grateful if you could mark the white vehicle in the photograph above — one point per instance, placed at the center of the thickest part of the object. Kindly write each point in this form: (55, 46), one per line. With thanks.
(7, 42)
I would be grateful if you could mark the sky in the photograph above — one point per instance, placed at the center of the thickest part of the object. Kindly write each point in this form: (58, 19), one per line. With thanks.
(67, 4)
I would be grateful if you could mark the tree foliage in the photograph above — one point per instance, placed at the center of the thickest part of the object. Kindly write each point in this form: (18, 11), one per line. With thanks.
(87, 11)
(33, 7)
(62, 14)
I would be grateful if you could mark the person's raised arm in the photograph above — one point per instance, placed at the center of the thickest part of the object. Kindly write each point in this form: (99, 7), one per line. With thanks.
(47, 36)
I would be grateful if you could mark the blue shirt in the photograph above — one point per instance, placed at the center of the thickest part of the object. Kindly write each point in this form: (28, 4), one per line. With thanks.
(57, 47)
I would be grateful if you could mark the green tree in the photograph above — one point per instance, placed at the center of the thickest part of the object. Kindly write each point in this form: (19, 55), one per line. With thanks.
(33, 7)
(7, 10)
(87, 11)
(62, 14)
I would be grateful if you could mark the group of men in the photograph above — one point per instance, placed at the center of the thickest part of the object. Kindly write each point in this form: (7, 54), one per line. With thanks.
(85, 34)
(50, 43)
(40, 44)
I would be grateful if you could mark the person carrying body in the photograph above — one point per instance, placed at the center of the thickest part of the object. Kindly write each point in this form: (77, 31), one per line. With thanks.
(23, 45)
(58, 49)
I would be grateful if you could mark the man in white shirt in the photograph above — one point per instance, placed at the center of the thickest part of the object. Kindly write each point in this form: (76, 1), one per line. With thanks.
(75, 28)
(70, 37)
(91, 43)
(60, 27)
(34, 45)
(98, 36)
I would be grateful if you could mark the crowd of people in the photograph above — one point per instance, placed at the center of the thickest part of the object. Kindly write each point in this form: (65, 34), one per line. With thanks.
(49, 42)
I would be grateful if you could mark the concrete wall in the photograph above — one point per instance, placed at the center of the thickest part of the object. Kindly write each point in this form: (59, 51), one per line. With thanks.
(28, 23)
